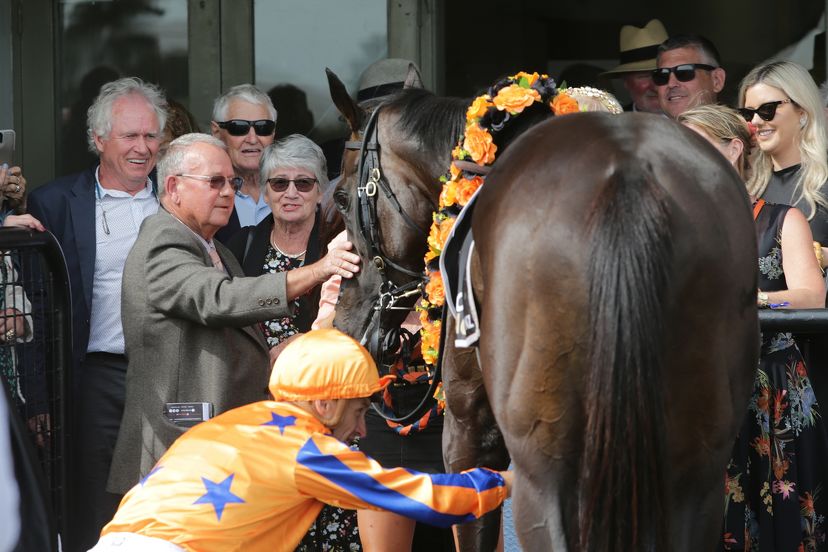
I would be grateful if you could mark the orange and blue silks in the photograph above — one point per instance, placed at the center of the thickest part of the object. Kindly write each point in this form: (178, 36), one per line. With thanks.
(255, 479)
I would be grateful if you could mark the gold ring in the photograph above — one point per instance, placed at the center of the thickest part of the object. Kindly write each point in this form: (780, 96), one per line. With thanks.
(10, 333)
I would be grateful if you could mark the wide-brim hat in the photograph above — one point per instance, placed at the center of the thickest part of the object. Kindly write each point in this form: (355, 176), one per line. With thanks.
(325, 365)
(639, 48)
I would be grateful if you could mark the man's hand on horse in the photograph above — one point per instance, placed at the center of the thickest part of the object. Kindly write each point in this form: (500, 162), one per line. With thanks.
(338, 262)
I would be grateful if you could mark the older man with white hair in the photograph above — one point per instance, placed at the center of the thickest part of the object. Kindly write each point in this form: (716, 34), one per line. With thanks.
(95, 215)
(245, 120)
(190, 316)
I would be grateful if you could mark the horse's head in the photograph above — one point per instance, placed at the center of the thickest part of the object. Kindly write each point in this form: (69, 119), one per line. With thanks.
(388, 191)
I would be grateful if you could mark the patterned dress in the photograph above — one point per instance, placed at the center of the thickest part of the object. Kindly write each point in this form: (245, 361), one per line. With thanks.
(775, 484)
(335, 529)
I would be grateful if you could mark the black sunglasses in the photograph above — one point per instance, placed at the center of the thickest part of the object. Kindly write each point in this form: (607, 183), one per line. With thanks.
(280, 184)
(217, 182)
(240, 127)
(684, 73)
(766, 111)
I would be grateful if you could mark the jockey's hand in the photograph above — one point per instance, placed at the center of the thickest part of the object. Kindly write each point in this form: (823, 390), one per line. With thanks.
(508, 478)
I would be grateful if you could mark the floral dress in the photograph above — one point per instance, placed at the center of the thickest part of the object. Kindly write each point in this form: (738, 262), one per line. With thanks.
(335, 529)
(775, 482)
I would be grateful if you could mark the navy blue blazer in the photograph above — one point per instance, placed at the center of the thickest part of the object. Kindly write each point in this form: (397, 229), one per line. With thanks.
(66, 207)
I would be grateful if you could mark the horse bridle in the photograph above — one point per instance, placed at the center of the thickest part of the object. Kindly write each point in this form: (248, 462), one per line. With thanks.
(380, 340)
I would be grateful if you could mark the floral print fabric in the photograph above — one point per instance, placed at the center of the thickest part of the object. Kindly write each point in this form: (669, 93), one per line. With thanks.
(774, 484)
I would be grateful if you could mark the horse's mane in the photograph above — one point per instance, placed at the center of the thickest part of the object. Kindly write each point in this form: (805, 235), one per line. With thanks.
(435, 122)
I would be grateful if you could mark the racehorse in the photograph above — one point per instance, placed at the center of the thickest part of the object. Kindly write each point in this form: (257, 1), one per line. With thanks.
(615, 270)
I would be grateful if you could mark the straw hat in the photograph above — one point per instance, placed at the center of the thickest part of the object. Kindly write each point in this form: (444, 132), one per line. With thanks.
(325, 364)
(639, 47)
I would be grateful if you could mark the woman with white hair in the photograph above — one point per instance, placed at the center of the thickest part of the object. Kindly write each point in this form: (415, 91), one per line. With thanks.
(292, 178)
(782, 102)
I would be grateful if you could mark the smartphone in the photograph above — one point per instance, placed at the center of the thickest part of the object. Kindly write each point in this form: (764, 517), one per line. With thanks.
(7, 147)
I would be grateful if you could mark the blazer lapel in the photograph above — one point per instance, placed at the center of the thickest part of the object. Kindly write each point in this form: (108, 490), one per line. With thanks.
(235, 271)
(82, 211)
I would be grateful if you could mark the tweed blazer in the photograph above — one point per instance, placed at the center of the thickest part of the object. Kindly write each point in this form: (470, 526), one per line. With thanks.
(191, 336)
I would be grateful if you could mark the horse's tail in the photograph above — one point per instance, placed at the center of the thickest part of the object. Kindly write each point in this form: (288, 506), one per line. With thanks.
(622, 502)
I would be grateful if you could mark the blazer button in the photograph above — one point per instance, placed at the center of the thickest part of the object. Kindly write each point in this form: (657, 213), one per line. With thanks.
(269, 301)
(275, 300)
(261, 302)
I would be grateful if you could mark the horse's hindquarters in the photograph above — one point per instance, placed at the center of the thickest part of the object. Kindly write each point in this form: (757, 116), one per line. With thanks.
(596, 235)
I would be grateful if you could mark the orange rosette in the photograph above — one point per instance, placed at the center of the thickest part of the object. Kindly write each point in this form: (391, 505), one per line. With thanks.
(478, 108)
(448, 196)
(438, 235)
(435, 291)
(454, 172)
(514, 98)
(466, 188)
(430, 343)
(478, 142)
(564, 103)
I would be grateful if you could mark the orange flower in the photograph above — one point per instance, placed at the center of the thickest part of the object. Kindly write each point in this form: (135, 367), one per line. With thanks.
(459, 153)
(466, 189)
(449, 194)
(762, 446)
(430, 343)
(434, 289)
(530, 78)
(807, 504)
(564, 103)
(440, 229)
(454, 172)
(478, 142)
(430, 256)
(515, 98)
(780, 467)
(479, 106)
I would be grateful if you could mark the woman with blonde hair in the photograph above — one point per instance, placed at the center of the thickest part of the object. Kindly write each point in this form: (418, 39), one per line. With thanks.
(775, 474)
(782, 101)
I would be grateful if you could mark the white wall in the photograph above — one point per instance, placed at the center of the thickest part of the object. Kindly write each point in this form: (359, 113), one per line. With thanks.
(296, 39)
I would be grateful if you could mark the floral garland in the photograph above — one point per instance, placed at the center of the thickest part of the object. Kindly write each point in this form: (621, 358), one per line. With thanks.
(487, 116)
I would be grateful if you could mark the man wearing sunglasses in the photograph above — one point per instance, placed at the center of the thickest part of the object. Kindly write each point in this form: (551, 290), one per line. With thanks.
(190, 317)
(245, 120)
(688, 73)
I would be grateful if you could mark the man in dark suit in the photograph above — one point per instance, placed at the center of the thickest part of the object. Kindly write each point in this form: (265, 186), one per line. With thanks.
(95, 215)
(190, 317)
(639, 47)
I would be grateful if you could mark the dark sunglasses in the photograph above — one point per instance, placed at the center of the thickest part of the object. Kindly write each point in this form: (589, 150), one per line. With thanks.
(217, 182)
(240, 127)
(684, 73)
(766, 111)
(280, 184)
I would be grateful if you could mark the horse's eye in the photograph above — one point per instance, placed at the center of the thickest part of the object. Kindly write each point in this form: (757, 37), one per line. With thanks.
(341, 199)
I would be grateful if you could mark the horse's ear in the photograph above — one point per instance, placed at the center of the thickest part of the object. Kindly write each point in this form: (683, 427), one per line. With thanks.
(413, 78)
(343, 101)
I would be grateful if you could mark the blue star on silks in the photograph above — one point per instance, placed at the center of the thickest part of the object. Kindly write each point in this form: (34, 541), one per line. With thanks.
(218, 494)
(281, 422)
(150, 474)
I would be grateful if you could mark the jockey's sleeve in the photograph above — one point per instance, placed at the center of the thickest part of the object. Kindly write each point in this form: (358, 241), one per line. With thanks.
(329, 471)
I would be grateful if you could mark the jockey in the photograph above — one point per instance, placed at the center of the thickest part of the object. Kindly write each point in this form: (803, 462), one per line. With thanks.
(256, 477)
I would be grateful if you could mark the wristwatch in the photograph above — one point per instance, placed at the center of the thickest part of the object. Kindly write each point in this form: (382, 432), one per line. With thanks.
(762, 299)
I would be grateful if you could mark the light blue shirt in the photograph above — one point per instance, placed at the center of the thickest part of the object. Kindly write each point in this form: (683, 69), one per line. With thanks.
(250, 212)
(123, 214)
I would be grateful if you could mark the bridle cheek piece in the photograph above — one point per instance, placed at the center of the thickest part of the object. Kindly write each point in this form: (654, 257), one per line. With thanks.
(380, 340)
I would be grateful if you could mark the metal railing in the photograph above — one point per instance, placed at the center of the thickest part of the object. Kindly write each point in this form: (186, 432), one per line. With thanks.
(36, 367)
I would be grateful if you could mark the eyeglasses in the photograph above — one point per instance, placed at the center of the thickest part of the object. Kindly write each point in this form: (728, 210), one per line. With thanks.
(240, 127)
(684, 73)
(280, 184)
(766, 111)
(217, 182)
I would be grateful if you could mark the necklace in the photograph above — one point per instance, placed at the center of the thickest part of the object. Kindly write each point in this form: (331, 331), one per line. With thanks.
(288, 255)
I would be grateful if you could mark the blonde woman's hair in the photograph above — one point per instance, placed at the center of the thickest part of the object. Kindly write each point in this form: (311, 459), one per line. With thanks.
(722, 124)
(795, 81)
